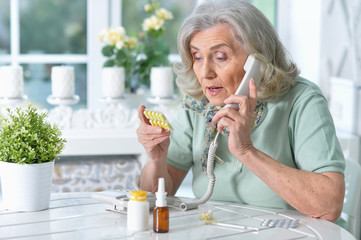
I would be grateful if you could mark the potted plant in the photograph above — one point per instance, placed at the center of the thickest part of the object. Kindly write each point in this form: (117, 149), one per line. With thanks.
(154, 49)
(121, 52)
(29, 146)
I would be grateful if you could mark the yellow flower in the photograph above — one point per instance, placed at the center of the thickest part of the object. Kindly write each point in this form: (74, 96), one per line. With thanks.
(119, 44)
(148, 8)
(131, 42)
(153, 22)
(112, 36)
(164, 14)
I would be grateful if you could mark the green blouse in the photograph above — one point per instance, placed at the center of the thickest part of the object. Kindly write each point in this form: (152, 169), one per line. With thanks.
(296, 130)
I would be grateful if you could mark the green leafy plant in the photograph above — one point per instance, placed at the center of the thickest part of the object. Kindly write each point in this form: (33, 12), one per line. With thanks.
(154, 49)
(26, 137)
(120, 50)
(138, 55)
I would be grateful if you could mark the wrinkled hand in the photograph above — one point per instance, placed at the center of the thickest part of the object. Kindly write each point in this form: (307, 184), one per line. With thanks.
(239, 123)
(154, 139)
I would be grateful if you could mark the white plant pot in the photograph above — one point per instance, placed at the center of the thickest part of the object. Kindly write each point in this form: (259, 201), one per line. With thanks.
(161, 82)
(62, 81)
(26, 187)
(113, 82)
(11, 81)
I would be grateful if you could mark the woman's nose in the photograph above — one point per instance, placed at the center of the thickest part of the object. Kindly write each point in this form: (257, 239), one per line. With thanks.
(207, 70)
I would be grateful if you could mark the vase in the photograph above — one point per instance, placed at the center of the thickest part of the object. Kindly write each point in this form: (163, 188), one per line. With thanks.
(11, 81)
(113, 82)
(161, 82)
(62, 82)
(26, 187)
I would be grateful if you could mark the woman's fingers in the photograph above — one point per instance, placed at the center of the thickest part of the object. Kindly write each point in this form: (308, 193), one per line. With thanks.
(154, 141)
(148, 133)
(231, 119)
(227, 116)
(141, 116)
(229, 112)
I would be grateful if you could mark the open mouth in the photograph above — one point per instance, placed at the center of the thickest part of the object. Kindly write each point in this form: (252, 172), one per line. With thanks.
(214, 90)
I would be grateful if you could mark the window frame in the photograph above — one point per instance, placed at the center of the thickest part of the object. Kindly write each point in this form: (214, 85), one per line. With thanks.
(98, 13)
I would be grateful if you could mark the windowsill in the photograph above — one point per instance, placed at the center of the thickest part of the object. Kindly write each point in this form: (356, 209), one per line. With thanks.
(107, 131)
(101, 142)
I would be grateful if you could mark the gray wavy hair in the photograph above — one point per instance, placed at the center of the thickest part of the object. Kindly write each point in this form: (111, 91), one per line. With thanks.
(252, 30)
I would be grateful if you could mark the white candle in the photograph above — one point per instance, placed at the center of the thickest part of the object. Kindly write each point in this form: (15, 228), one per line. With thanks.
(62, 81)
(113, 82)
(11, 81)
(161, 82)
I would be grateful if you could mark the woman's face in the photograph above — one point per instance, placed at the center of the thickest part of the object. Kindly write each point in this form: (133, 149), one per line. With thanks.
(217, 62)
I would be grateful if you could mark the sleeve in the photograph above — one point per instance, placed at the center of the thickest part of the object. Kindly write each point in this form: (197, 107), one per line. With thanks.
(315, 144)
(180, 154)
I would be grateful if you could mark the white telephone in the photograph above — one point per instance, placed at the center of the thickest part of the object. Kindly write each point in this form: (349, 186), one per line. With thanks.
(252, 68)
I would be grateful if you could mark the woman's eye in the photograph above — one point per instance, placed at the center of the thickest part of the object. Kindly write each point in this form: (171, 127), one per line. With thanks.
(221, 57)
(197, 57)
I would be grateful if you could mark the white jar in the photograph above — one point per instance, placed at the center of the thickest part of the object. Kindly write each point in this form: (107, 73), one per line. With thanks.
(11, 81)
(138, 211)
(62, 81)
(161, 82)
(113, 82)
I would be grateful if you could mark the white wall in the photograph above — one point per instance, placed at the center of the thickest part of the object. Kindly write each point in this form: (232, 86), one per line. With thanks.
(299, 27)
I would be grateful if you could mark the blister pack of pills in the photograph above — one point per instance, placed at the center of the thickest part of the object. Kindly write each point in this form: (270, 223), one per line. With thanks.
(157, 119)
(280, 223)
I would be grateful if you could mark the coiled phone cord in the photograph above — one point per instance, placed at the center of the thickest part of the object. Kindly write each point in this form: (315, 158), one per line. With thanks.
(212, 178)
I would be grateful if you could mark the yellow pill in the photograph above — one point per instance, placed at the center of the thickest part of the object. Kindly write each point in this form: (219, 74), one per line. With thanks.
(161, 124)
(155, 123)
(167, 126)
(157, 119)
(161, 116)
(155, 114)
(146, 114)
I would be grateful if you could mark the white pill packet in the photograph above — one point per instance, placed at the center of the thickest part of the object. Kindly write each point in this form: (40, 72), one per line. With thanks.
(280, 223)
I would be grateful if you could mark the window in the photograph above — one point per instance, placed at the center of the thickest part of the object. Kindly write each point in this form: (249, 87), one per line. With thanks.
(179, 9)
(44, 34)
(4, 27)
(39, 34)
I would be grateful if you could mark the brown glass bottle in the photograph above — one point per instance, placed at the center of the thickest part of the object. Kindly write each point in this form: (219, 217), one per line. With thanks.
(161, 219)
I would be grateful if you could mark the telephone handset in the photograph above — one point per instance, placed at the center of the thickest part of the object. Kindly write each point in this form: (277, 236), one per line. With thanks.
(252, 68)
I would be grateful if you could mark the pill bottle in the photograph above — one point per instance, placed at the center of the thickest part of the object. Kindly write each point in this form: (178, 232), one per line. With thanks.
(138, 211)
(161, 211)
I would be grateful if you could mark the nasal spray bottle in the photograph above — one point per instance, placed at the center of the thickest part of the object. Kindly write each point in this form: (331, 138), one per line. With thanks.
(161, 211)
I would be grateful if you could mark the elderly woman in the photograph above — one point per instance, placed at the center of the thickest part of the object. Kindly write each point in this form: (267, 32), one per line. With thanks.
(279, 149)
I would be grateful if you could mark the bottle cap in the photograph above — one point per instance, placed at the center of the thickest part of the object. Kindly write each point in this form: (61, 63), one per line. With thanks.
(161, 194)
(138, 195)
